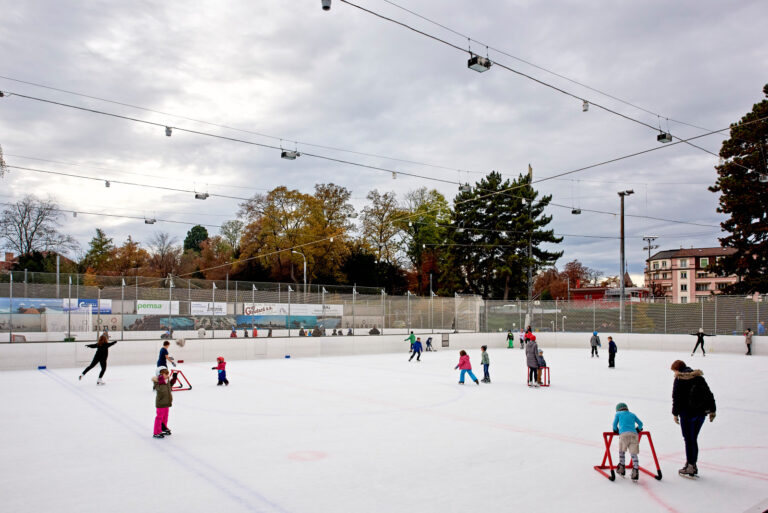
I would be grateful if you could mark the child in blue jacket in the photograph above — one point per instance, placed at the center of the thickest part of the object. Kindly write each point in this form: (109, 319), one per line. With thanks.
(416, 350)
(624, 424)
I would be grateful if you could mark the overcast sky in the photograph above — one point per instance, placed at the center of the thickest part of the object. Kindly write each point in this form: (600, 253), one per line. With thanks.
(346, 79)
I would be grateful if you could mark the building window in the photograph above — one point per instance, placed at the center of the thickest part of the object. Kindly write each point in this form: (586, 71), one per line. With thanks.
(702, 299)
(702, 286)
(684, 263)
(655, 265)
(701, 275)
(683, 287)
(664, 276)
(664, 263)
(683, 299)
(704, 262)
(655, 276)
(683, 275)
(721, 286)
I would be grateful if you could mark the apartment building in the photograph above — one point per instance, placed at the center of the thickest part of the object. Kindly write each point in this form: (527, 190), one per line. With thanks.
(683, 275)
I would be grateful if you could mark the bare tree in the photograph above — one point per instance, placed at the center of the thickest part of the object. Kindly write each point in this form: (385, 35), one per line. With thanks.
(164, 254)
(33, 224)
(379, 227)
(231, 231)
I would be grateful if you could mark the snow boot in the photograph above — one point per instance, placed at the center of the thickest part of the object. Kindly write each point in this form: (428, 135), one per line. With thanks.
(635, 474)
(620, 469)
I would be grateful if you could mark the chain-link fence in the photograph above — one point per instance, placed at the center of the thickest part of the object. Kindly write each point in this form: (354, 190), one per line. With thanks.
(36, 302)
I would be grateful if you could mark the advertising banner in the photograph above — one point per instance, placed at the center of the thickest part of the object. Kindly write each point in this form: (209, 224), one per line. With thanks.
(316, 310)
(209, 308)
(77, 304)
(33, 305)
(156, 307)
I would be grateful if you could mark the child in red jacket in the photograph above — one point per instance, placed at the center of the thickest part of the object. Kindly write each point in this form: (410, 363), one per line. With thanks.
(465, 367)
(222, 368)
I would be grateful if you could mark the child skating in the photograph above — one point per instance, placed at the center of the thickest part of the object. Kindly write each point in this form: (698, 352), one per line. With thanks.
(611, 352)
(465, 367)
(486, 361)
(594, 341)
(700, 341)
(163, 402)
(628, 427)
(542, 364)
(416, 350)
(221, 366)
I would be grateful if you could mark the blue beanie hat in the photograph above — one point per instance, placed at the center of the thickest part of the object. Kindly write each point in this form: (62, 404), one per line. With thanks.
(594, 333)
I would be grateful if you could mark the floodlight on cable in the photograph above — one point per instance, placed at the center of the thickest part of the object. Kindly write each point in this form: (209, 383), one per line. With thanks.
(106, 183)
(201, 195)
(168, 131)
(326, 5)
(664, 137)
(479, 63)
(465, 188)
(289, 154)
(585, 106)
(150, 221)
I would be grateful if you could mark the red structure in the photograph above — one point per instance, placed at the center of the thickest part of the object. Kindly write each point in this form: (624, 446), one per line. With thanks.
(182, 383)
(544, 376)
(608, 438)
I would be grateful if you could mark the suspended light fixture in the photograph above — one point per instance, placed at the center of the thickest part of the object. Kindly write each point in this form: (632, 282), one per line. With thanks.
(465, 188)
(478, 63)
(326, 5)
(576, 211)
(106, 183)
(2, 94)
(394, 175)
(353, 215)
(201, 195)
(664, 137)
(585, 106)
(168, 131)
(289, 154)
(74, 214)
(150, 221)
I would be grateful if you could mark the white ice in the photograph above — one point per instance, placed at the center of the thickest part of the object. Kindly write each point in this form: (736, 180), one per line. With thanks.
(376, 433)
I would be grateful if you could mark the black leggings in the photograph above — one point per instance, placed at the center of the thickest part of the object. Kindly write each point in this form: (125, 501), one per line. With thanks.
(532, 373)
(594, 351)
(697, 346)
(101, 361)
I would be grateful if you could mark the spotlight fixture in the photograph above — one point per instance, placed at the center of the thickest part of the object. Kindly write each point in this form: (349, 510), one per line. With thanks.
(394, 175)
(201, 195)
(290, 154)
(74, 214)
(576, 211)
(465, 188)
(106, 183)
(150, 221)
(353, 215)
(168, 131)
(326, 5)
(479, 63)
(664, 137)
(2, 94)
(585, 106)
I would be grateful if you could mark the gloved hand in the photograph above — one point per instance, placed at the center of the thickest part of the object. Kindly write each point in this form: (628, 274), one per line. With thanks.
(712, 416)
(638, 430)
(677, 419)
(173, 363)
(616, 431)
(213, 368)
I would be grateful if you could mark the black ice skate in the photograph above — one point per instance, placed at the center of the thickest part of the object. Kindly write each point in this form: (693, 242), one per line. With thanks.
(620, 469)
(635, 474)
(158, 436)
(477, 383)
(165, 430)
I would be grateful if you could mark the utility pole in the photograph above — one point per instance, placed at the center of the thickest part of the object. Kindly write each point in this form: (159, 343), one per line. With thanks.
(622, 194)
(649, 239)
(530, 247)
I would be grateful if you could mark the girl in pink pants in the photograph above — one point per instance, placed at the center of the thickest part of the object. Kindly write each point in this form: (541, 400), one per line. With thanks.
(163, 402)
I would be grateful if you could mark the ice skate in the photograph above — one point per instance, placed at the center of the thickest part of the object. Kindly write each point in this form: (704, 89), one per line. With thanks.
(535, 385)
(160, 435)
(219, 384)
(461, 382)
(80, 377)
(635, 474)
(688, 471)
(620, 469)
(166, 431)
(100, 382)
(477, 383)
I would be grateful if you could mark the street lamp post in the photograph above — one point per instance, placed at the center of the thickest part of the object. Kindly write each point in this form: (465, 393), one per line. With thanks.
(409, 310)
(622, 194)
(649, 239)
(288, 320)
(354, 294)
(122, 306)
(253, 304)
(213, 310)
(305, 272)
(170, 304)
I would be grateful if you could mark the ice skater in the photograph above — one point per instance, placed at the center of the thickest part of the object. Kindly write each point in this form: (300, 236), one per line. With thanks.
(611, 352)
(221, 366)
(624, 425)
(416, 350)
(510, 340)
(102, 353)
(162, 359)
(532, 360)
(163, 402)
(542, 363)
(748, 340)
(429, 344)
(466, 367)
(700, 341)
(412, 339)
(595, 343)
(486, 361)
(692, 401)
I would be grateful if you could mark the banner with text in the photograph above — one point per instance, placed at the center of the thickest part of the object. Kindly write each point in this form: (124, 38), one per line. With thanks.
(209, 308)
(317, 310)
(156, 307)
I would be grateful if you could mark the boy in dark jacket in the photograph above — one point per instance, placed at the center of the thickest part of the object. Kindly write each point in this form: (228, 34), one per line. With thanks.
(692, 401)
(611, 352)
(163, 402)
(416, 350)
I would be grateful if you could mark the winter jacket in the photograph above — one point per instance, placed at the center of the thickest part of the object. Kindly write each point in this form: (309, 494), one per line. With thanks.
(691, 395)
(102, 351)
(410, 338)
(417, 346)
(464, 363)
(485, 359)
(594, 341)
(164, 397)
(542, 361)
(532, 354)
(612, 347)
(625, 421)
(221, 366)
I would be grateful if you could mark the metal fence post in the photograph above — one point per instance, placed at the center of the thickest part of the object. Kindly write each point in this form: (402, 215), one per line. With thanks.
(594, 325)
(10, 310)
(665, 315)
(630, 316)
(758, 314)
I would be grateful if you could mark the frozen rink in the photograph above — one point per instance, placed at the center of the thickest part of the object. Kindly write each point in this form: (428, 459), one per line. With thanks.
(378, 434)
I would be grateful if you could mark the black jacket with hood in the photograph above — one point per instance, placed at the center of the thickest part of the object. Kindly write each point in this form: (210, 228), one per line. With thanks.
(691, 395)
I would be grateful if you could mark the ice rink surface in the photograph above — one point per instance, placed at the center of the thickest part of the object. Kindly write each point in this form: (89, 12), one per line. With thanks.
(376, 433)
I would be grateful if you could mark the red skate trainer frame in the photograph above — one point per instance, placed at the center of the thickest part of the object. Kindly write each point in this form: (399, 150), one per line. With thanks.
(182, 383)
(608, 438)
(544, 376)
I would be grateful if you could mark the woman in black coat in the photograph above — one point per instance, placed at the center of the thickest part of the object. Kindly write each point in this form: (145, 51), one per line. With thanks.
(102, 353)
(692, 401)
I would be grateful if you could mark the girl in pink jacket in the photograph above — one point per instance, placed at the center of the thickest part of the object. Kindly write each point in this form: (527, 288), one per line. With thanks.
(465, 367)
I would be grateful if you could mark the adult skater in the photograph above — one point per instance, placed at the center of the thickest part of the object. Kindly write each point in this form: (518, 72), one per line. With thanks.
(594, 341)
(700, 341)
(162, 359)
(532, 360)
(748, 340)
(692, 401)
(102, 353)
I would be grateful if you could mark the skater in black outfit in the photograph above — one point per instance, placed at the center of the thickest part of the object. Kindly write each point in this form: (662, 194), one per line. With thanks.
(692, 401)
(102, 352)
(700, 341)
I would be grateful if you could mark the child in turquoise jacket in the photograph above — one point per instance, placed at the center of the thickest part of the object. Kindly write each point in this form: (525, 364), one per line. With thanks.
(628, 427)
